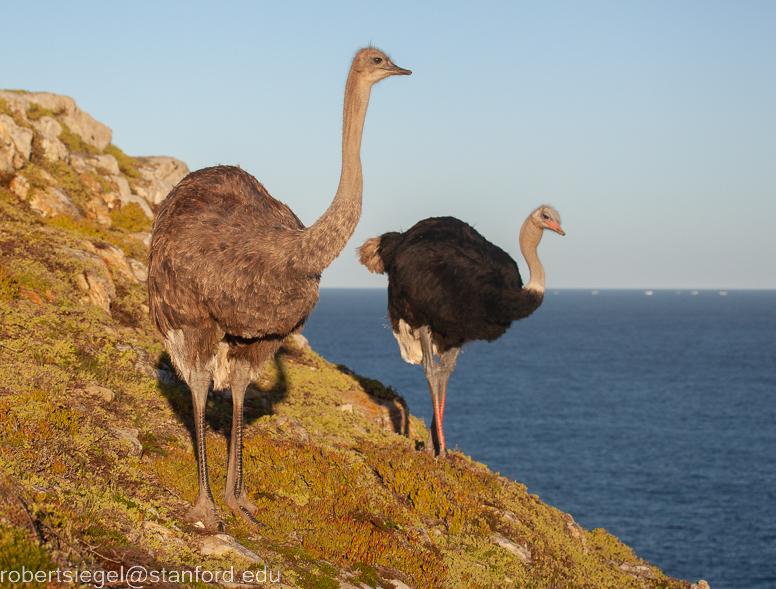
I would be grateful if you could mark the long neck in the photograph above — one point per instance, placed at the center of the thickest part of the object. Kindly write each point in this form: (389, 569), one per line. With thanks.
(526, 300)
(322, 242)
(530, 236)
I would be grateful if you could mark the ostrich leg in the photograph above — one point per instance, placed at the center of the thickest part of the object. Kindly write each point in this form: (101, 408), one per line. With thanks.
(234, 493)
(446, 366)
(204, 509)
(437, 375)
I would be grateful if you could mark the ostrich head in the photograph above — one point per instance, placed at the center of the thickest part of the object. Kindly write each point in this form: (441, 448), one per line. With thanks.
(374, 65)
(545, 217)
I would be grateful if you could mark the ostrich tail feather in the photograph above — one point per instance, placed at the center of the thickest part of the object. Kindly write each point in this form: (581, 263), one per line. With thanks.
(369, 255)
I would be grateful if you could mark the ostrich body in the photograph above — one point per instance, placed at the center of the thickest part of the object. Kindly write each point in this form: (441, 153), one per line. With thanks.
(232, 272)
(448, 285)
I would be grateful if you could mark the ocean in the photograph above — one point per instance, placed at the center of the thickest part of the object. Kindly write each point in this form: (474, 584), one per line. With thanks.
(650, 415)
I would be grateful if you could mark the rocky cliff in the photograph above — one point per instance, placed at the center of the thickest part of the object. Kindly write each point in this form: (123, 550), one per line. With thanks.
(97, 467)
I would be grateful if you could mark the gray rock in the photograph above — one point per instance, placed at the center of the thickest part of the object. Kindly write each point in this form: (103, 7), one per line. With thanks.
(129, 435)
(86, 162)
(20, 186)
(637, 570)
(52, 202)
(300, 341)
(517, 549)
(165, 168)
(158, 529)
(78, 121)
(106, 395)
(15, 144)
(96, 209)
(100, 288)
(49, 130)
(114, 257)
(98, 285)
(223, 543)
(139, 269)
(154, 191)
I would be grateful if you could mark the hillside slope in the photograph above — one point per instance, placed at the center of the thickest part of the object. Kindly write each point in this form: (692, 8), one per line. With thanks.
(96, 453)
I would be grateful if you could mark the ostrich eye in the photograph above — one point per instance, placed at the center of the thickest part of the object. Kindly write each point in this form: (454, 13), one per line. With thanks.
(545, 216)
(378, 60)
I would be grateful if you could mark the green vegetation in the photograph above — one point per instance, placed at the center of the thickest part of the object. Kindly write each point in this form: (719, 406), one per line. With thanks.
(75, 142)
(130, 218)
(127, 164)
(339, 498)
(36, 112)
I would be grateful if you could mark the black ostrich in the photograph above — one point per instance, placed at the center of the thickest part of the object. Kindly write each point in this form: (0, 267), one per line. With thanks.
(448, 285)
(232, 272)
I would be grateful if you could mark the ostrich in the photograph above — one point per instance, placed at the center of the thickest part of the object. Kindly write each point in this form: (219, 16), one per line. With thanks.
(448, 285)
(232, 272)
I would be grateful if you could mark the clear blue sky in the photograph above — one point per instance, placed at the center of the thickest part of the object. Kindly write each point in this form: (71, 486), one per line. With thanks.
(650, 126)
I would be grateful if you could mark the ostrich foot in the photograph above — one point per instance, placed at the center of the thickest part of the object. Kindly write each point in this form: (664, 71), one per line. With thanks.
(244, 508)
(431, 448)
(442, 453)
(205, 512)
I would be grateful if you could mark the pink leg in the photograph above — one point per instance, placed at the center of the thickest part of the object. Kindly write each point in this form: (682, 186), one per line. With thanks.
(437, 375)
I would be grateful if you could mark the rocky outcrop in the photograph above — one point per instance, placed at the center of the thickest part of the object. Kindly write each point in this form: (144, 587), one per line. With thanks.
(49, 130)
(32, 125)
(95, 280)
(15, 144)
(79, 122)
(159, 175)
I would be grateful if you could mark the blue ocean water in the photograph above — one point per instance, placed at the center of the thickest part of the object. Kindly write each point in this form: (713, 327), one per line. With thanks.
(653, 417)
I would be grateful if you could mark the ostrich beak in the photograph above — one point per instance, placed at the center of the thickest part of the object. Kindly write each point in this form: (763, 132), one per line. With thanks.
(555, 227)
(395, 70)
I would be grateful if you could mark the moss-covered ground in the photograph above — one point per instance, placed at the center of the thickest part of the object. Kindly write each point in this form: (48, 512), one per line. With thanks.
(340, 499)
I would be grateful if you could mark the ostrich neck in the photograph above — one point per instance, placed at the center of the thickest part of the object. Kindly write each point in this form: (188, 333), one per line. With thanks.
(323, 241)
(530, 236)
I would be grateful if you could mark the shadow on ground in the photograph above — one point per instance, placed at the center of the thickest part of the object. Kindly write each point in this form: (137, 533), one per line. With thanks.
(218, 414)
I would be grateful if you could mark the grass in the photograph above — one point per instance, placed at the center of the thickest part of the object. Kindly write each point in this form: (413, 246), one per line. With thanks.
(339, 498)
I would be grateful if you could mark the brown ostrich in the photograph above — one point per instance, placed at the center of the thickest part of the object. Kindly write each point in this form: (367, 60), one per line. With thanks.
(448, 285)
(232, 272)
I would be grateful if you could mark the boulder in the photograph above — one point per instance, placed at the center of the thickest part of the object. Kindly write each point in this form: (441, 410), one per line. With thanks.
(15, 144)
(159, 175)
(97, 210)
(518, 550)
(52, 202)
(114, 257)
(165, 168)
(16, 105)
(49, 129)
(129, 435)
(223, 543)
(106, 395)
(139, 269)
(121, 185)
(98, 286)
(79, 122)
(638, 570)
(20, 186)
(154, 191)
(102, 164)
